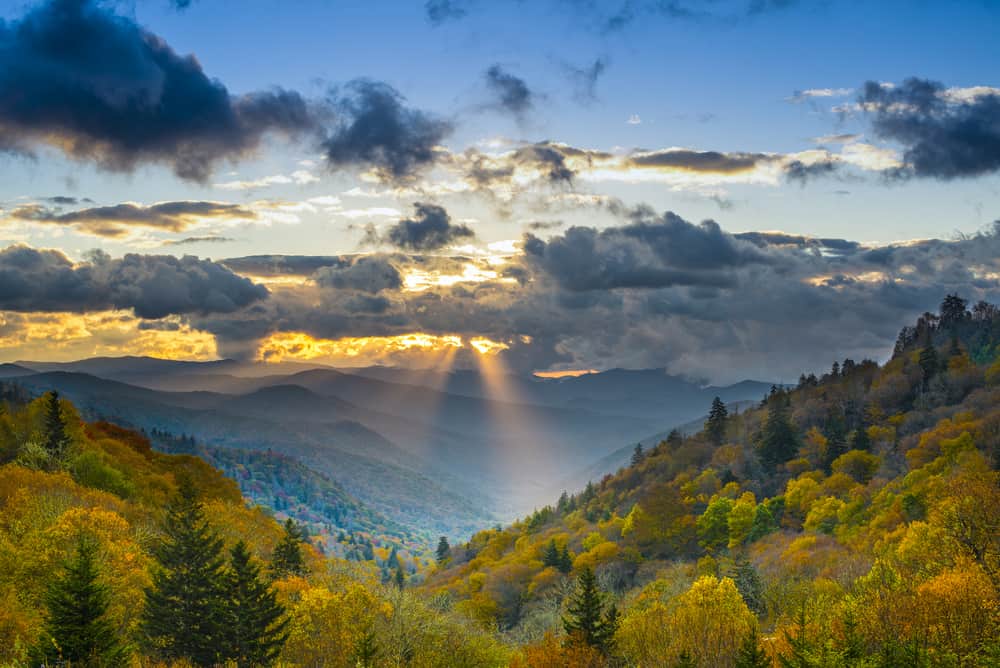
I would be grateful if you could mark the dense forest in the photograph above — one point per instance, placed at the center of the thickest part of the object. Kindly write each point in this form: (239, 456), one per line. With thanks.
(851, 520)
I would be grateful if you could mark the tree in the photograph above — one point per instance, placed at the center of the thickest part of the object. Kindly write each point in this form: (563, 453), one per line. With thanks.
(751, 654)
(287, 558)
(778, 441)
(400, 577)
(715, 425)
(55, 439)
(185, 611)
(953, 311)
(77, 630)
(586, 620)
(255, 621)
(565, 562)
(748, 582)
(929, 364)
(443, 550)
(637, 455)
(674, 439)
(685, 660)
(550, 557)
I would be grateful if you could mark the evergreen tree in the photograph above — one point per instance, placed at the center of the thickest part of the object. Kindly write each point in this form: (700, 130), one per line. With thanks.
(185, 611)
(565, 562)
(953, 311)
(929, 364)
(637, 455)
(55, 438)
(748, 582)
(443, 550)
(400, 577)
(586, 620)
(366, 649)
(255, 621)
(836, 438)
(550, 557)
(751, 654)
(801, 650)
(77, 630)
(563, 505)
(778, 441)
(715, 425)
(674, 439)
(287, 558)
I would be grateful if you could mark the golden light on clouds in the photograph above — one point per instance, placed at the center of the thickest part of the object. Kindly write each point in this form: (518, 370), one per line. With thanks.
(418, 280)
(72, 336)
(354, 351)
(567, 373)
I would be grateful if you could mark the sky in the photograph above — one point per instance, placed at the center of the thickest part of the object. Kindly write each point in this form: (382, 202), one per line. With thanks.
(722, 188)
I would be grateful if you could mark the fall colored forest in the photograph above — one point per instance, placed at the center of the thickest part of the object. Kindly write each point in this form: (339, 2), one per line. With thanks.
(850, 520)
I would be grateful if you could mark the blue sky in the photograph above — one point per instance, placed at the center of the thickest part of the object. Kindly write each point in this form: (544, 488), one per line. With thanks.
(729, 81)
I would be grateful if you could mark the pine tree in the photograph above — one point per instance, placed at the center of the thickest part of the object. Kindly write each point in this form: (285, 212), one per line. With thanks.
(185, 611)
(366, 649)
(751, 654)
(748, 582)
(565, 562)
(255, 621)
(715, 426)
(550, 557)
(586, 620)
(287, 557)
(55, 438)
(778, 440)
(929, 364)
(801, 650)
(77, 630)
(637, 455)
(443, 550)
(400, 577)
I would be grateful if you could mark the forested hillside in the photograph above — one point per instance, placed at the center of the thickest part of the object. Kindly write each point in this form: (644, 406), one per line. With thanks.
(853, 520)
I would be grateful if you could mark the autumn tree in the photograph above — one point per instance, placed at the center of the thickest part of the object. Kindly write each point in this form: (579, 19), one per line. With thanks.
(715, 425)
(185, 613)
(255, 621)
(77, 629)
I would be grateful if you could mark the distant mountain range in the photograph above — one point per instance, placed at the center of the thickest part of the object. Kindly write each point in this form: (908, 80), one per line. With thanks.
(436, 452)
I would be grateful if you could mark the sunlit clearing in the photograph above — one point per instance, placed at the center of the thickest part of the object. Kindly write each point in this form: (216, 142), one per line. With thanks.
(568, 373)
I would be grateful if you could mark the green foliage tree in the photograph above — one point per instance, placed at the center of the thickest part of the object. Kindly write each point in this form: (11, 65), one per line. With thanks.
(586, 620)
(751, 654)
(77, 629)
(565, 562)
(186, 605)
(443, 550)
(255, 621)
(550, 556)
(715, 425)
(287, 558)
(54, 437)
(930, 364)
(778, 441)
(637, 455)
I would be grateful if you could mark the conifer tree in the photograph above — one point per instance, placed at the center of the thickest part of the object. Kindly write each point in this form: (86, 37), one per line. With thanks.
(255, 621)
(637, 455)
(748, 582)
(565, 562)
(550, 557)
(800, 652)
(685, 660)
(287, 557)
(778, 440)
(400, 577)
(366, 649)
(715, 426)
(443, 550)
(55, 438)
(185, 611)
(751, 654)
(586, 620)
(77, 630)
(929, 364)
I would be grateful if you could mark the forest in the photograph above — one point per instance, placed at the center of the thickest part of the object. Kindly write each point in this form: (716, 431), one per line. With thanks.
(850, 520)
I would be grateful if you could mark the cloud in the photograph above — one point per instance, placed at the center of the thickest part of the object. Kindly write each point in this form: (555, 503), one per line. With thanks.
(366, 273)
(651, 252)
(120, 219)
(442, 11)
(208, 239)
(797, 170)
(946, 133)
(298, 177)
(77, 77)
(429, 229)
(813, 93)
(584, 80)
(698, 161)
(376, 130)
(510, 93)
(153, 286)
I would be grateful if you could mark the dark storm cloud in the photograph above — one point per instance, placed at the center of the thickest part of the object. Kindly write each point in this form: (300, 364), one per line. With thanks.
(366, 273)
(429, 229)
(510, 93)
(282, 265)
(118, 220)
(699, 161)
(92, 83)
(375, 129)
(153, 286)
(648, 253)
(944, 137)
